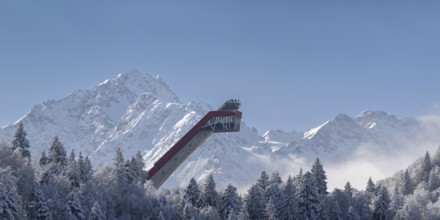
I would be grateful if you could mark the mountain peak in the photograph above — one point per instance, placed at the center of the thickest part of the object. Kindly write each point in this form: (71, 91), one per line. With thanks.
(371, 119)
(372, 114)
(139, 84)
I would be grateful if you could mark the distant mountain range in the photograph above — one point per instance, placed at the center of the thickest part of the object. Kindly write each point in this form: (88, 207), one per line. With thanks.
(139, 112)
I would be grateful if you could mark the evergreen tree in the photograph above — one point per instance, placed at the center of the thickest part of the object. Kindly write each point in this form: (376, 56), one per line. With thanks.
(209, 212)
(119, 158)
(334, 211)
(43, 159)
(271, 210)
(263, 181)
(407, 185)
(97, 213)
(255, 202)
(230, 201)
(343, 201)
(20, 143)
(426, 167)
(381, 204)
(210, 195)
(433, 180)
(275, 178)
(370, 191)
(73, 172)
(87, 170)
(348, 189)
(118, 167)
(192, 194)
(232, 215)
(289, 204)
(298, 177)
(352, 214)
(81, 166)
(73, 207)
(39, 208)
(307, 194)
(140, 164)
(10, 201)
(189, 212)
(320, 177)
(244, 214)
(436, 158)
(273, 192)
(57, 153)
(130, 171)
(72, 157)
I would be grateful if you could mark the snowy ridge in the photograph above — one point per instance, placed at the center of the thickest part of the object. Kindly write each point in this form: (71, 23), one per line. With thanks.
(139, 112)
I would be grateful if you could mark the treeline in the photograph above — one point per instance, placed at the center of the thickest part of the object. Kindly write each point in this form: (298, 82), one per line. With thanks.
(57, 186)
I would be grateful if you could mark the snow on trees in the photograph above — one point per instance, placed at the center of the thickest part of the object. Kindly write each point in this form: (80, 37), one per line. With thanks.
(407, 184)
(97, 213)
(263, 181)
(39, 207)
(210, 195)
(289, 205)
(320, 177)
(308, 196)
(255, 202)
(192, 194)
(20, 143)
(73, 208)
(10, 201)
(381, 204)
(230, 201)
(57, 153)
(275, 178)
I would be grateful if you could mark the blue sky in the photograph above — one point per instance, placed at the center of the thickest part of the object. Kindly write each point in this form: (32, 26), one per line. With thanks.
(294, 64)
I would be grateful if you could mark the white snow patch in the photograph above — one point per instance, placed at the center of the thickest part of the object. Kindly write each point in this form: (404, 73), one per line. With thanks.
(310, 133)
(372, 125)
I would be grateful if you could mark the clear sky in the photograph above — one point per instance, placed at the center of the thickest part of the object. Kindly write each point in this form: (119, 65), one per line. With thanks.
(294, 64)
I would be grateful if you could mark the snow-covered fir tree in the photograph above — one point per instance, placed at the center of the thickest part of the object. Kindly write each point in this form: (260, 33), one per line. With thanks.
(407, 184)
(210, 195)
(38, 207)
(255, 202)
(192, 194)
(352, 214)
(320, 177)
(275, 178)
(371, 190)
(43, 159)
(381, 204)
(97, 213)
(348, 189)
(289, 205)
(244, 214)
(272, 212)
(263, 181)
(10, 201)
(20, 143)
(308, 197)
(230, 201)
(57, 153)
(426, 167)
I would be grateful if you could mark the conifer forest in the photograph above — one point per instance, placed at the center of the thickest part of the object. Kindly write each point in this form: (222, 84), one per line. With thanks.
(64, 185)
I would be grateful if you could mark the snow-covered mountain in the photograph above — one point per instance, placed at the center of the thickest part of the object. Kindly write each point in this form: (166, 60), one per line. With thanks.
(139, 112)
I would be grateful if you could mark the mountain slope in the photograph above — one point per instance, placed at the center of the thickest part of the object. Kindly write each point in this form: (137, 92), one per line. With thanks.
(139, 112)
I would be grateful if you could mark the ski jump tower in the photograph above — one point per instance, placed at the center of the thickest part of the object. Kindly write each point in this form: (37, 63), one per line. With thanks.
(226, 119)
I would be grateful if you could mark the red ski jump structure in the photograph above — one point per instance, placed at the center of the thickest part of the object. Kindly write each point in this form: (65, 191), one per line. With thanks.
(226, 119)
